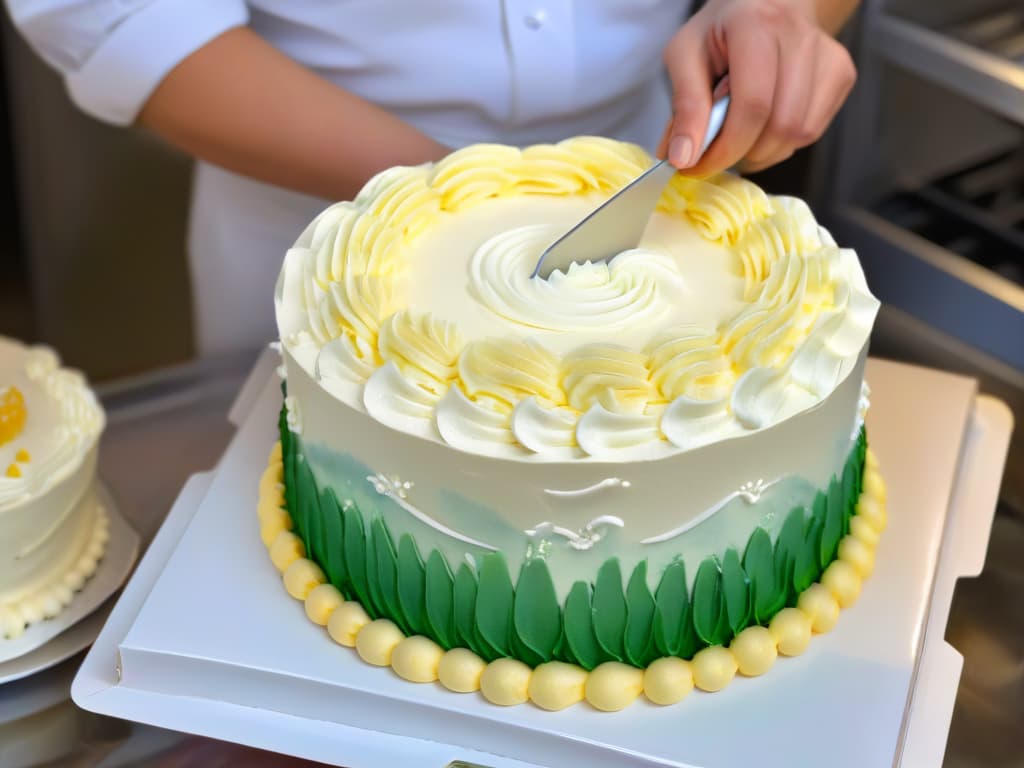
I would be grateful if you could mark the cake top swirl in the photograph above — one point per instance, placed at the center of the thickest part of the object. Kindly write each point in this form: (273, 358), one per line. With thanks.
(414, 303)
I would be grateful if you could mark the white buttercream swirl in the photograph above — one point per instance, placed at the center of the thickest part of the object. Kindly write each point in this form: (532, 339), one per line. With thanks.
(635, 287)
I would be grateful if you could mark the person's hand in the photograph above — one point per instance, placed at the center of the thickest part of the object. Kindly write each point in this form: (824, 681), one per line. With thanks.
(787, 78)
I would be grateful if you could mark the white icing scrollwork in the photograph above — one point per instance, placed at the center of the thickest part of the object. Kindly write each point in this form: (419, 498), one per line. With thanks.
(396, 489)
(750, 492)
(580, 540)
(608, 482)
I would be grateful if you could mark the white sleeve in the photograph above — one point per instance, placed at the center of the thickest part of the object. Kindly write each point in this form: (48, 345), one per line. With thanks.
(113, 53)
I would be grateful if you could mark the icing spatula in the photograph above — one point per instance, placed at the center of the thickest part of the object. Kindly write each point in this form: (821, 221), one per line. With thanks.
(619, 222)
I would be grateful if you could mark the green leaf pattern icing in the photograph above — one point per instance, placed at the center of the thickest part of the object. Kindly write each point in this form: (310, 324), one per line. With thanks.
(334, 538)
(537, 617)
(465, 609)
(671, 609)
(485, 612)
(579, 628)
(610, 609)
(639, 641)
(736, 586)
(355, 557)
(412, 584)
(440, 601)
(494, 602)
(833, 530)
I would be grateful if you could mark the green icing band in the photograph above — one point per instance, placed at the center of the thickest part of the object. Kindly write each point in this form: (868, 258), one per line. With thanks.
(485, 612)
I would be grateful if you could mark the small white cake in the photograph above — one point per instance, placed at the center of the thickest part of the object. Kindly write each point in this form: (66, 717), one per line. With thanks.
(53, 530)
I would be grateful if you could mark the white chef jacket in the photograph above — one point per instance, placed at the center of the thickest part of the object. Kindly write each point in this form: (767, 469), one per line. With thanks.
(461, 71)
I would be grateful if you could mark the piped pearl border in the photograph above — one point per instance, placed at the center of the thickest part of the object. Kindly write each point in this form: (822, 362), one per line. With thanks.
(555, 685)
(48, 601)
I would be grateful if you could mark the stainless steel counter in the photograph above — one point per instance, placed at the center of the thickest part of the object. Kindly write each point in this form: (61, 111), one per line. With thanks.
(166, 426)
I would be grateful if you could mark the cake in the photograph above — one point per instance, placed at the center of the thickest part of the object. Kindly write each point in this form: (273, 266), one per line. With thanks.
(635, 476)
(53, 527)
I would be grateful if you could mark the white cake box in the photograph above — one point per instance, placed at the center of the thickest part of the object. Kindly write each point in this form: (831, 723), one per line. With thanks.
(206, 640)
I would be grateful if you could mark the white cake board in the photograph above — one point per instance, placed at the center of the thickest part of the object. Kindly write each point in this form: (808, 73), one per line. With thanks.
(210, 643)
(36, 649)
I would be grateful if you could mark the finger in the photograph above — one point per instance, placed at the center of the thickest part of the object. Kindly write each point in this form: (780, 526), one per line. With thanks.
(836, 78)
(753, 60)
(787, 127)
(665, 136)
(689, 67)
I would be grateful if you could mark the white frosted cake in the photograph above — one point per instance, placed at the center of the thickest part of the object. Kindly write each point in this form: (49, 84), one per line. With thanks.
(53, 529)
(637, 475)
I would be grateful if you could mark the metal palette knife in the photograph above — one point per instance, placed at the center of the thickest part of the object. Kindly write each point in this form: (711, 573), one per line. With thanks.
(618, 223)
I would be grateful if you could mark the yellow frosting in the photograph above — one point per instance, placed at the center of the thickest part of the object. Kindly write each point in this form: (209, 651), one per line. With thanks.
(821, 606)
(376, 641)
(843, 581)
(714, 668)
(506, 682)
(858, 553)
(871, 509)
(668, 680)
(557, 685)
(755, 651)
(460, 670)
(12, 414)
(285, 550)
(417, 659)
(613, 686)
(345, 621)
(791, 628)
(321, 602)
(862, 530)
(301, 577)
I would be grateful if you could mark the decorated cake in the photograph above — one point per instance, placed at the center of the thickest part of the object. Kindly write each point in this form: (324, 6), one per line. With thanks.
(637, 476)
(53, 527)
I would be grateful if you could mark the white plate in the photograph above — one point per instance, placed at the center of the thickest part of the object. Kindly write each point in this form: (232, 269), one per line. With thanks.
(209, 642)
(35, 649)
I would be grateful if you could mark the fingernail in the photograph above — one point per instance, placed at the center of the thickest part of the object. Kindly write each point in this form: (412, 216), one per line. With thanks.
(680, 151)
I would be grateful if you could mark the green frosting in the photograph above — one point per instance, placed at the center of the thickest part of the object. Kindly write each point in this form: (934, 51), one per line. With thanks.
(334, 565)
(832, 532)
(464, 594)
(355, 556)
(537, 618)
(440, 601)
(738, 596)
(480, 607)
(580, 637)
(610, 610)
(494, 603)
(412, 585)
(787, 551)
(673, 624)
(640, 650)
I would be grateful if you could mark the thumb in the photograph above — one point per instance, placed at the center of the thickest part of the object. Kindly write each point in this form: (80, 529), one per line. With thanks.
(689, 68)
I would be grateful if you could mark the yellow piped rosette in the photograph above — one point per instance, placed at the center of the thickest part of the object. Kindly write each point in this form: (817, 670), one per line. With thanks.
(555, 685)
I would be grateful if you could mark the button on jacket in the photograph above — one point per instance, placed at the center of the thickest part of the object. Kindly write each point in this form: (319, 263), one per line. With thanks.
(461, 71)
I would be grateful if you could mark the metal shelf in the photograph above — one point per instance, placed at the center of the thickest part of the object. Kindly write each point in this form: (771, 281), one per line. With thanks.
(982, 60)
(946, 291)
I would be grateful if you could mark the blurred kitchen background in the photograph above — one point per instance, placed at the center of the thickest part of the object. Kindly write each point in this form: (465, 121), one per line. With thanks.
(923, 175)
